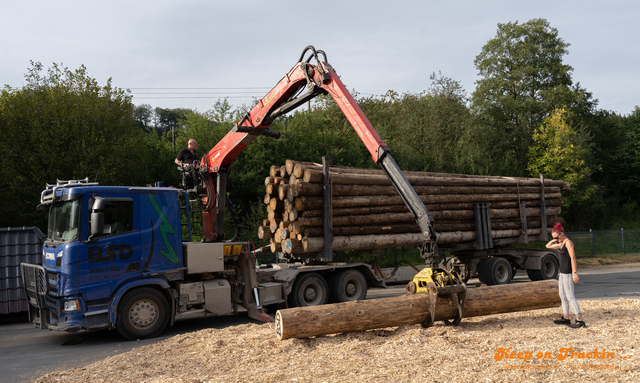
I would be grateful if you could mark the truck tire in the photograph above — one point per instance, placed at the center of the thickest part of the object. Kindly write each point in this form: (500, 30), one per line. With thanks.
(142, 313)
(309, 290)
(348, 285)
(549, 268)
(495, 271)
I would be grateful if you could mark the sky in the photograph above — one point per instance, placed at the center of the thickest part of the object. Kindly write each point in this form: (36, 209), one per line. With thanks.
(190, 53)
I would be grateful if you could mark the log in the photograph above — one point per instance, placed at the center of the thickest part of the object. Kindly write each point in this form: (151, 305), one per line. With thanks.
(282, 191)
(275, 247)
(271, 189)
(264, 232)
(274, 215)
(440, 193)
(303, 322)
(414, 228)
(288, 165)
(438, 216)
(276, 204)
(274, 171)
(290, 246)
(278, 236)
(267, 199)
(425, 179)
(274, 224)
(315, 203)
(379, 241)
(290, 197)
(358, 210)
(285, 224)
(310, 203)
(364, 230)
(287, 205)
(300, 167)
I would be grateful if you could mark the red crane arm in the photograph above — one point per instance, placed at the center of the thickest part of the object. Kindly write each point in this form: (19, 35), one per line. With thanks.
(283, 98)
(322, 78)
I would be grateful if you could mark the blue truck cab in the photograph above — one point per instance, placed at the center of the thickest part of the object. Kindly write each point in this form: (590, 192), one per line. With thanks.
(102, 241)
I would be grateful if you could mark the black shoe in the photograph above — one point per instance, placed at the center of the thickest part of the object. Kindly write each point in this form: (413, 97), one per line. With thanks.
(562, 321)
(578, 324)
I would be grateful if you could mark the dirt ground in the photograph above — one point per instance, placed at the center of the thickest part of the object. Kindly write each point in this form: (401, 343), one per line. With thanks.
(515, 347)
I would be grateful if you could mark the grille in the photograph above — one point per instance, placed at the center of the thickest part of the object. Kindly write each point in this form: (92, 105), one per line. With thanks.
(34, 278)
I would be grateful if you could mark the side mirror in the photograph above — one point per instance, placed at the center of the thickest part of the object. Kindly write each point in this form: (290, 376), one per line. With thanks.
(97, 224)
(97, 218)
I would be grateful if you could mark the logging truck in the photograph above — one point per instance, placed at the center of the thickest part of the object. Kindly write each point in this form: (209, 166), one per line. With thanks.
(117, 257)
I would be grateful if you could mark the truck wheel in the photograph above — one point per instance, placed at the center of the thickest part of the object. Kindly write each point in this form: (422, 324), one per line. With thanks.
(142, 313)
(348, 285)
(309, 290)
(549, 268)
(495, 271)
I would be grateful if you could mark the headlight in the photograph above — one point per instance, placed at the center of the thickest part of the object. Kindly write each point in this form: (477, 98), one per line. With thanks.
(73, 305)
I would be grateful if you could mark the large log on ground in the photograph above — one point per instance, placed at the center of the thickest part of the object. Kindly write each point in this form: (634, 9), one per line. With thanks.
(303, 322)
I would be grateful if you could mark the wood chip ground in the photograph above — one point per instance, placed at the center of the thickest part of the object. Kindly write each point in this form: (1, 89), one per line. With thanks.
(468, 353)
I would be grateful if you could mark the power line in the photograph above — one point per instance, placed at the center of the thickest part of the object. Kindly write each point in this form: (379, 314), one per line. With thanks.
(147, 97)
(262, 87)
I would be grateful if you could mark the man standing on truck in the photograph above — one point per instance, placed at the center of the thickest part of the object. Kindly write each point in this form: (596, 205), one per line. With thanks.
(567, 277)
(188, 155)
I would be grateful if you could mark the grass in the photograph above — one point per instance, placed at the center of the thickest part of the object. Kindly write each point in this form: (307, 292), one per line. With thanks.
(609, 259)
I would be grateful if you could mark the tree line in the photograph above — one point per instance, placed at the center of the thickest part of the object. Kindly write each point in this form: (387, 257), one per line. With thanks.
(526, 116)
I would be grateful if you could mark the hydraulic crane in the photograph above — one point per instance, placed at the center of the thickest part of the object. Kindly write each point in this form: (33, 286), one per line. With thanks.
(308, 79)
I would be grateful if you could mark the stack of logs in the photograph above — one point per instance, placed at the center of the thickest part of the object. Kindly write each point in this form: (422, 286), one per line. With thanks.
(368, 213)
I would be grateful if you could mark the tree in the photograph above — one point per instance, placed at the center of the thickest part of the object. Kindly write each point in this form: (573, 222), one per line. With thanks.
(627, 159)
(559, 152)
(144, 116)
(169, 121)
(523, 79)
(63, 125)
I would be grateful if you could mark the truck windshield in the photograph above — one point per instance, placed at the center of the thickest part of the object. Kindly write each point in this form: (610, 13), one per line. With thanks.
(64, 221)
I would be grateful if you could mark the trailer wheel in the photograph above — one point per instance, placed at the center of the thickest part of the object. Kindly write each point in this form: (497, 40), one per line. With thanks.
(143, 313)
(348, 285)
(495, 271)
(549, 268)
(309, 290)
